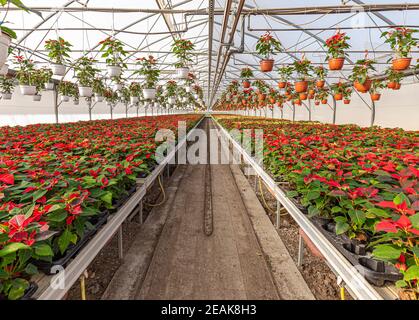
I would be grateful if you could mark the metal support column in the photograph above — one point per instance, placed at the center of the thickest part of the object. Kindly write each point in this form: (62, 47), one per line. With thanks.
(278, 214)
(55, 98)
(372, 113)
(293, 113)
(334, 110)
(300, 251)
(120, 243)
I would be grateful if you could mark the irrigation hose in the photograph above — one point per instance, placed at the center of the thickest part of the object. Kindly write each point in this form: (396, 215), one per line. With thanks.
(264, 201)
(163, 192)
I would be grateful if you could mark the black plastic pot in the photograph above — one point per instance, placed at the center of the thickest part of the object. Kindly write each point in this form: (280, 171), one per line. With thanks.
(97, 222)
(118, 203)
(375, 271)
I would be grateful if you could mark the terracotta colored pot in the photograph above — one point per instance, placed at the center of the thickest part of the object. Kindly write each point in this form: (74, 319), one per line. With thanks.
(301, 86)
(297, 102)
(338, 96)
(320, 84)
(336, 63)
(311, 96)
(282, 85)
(397, 86)
(317, 103)
(311, 91)
(261, 96)
(363, 87)
(324, 101)
(266, 65)
(244, 101)
(401, 64)
(272, 100)
(303, 96)
(375, 96)
(391, 85)
(346, 101)
(246, 84)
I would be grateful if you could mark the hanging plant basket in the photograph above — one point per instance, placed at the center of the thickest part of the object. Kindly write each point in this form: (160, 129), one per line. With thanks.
(301, 86)
(37, 97)
(182, 73)
(400, 64)
(375, 96)
(65, 98)
(336, 63)
(338, 96)
(324, 101)
(303, 96)
(397, 86)
(4, 47)
(246, 84)
(58, 69)
(266, 65)
(363, 88)
(320, 84)
(86, 91)
(149, 94)
(118, 86)
(98, 98)
(49, 86)
(27, 90)
(346, 101)
(133, 100)
(316, 102)
(6, 96)
(282, 85)
(114, 71)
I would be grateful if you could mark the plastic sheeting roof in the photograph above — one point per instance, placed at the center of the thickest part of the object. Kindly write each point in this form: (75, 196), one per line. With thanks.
(146, 33)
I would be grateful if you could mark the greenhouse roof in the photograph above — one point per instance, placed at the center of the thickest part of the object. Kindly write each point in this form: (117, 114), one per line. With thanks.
(149, 28)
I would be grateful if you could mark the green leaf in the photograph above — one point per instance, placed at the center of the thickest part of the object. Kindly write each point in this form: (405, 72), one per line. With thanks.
(415, 251)
(312, 195)
(401, 284)
(43, 250)
(387, 252)
(313, 211)
(412, 273)
(18, 289)
(400, 198)
(379, 212)
(357, 217)
(12, 247)
(65, 239)
(292, 194)
(39, 194)
(336, 209)
(57, 216)
(107, 198)
(415, 220)
(341, 227)
(31, 269)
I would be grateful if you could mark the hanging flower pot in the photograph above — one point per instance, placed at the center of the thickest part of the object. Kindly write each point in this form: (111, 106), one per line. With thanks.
(266, 65)
(5, 40)
(118, 86)
(338, 96)
(86, 91)
(114, 71)
(246, 84)
(182, 73)
(375, 96)
(301, 86)
(391, 84)
(4, 70)
(336, 63)
(324, 101)
(272, 100)
(37, 97)
(317, 102)
(149, 94)
(261, 97)
(65, 98)
(320, 84)
(133, 100)
(298, 102)
(98, 98)
(6, 96)
(336, 46)
(397, 86)
(363, 88)
(76, 102)
(49, 86)
(58, 69)
(27, 90)
(311, 96)
(282, 84)
(346, 101)
(303, 96)
(400, 64)
(311, 91)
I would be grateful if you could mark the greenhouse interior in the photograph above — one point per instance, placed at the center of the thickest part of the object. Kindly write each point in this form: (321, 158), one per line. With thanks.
(209, 150)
